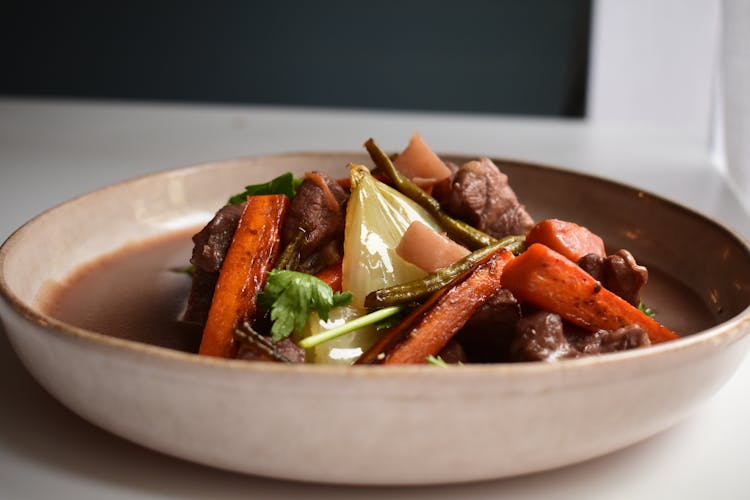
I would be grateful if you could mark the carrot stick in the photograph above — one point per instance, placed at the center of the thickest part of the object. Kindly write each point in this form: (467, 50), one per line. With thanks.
(251, 255)
(331, 275)
(389, 339)
(552, 282)
(386, 342)
(450, 312)
(569, 239)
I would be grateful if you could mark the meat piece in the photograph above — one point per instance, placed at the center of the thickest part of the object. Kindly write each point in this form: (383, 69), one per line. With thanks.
(211, 243)
(540, 337)
(619, 273)
(201, 296)
(625, 277)
(453, 353)
(325, 256)
(319, 210)
(441, 191)
(210, 248)
(627, 337)
(284, 349)
(486, 337)
(594, 265)
(481, 196)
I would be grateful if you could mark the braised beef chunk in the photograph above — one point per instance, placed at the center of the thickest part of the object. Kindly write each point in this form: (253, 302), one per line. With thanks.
(441, 191)
(212, 242)
(283, 350)
(319, 210)
(627, 337)
(487, 335)
(481, 196)
(618, 273)
(453, 353)
(210, 248)
(201, 295)
(328, 254)
(544, 336)
(540, 337)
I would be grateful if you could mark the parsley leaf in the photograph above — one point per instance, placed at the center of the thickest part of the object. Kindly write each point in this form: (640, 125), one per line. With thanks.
(435, 361)
(188, 269)
(391, 321)
(284, 184)
(291, 295)
(646, 310)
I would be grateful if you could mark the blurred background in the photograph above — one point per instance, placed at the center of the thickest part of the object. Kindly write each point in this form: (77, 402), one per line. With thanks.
(649, 64)
(486, 56)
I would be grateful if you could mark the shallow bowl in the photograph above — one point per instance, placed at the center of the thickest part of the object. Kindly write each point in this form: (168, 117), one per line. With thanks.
(375, 425)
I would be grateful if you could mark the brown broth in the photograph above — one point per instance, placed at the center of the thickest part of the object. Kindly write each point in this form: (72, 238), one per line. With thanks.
(135, 294)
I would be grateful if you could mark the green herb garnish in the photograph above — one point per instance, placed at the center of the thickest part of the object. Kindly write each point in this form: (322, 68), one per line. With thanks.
(291, 296)
(355, 324)
(284, 184)
(391, 321)
(436, 361)
(189, 270)
(646, 310)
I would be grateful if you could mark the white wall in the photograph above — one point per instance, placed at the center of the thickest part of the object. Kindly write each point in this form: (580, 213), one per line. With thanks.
(653, 62)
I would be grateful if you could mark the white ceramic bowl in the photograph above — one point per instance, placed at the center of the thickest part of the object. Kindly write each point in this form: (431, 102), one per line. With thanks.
(373, 425)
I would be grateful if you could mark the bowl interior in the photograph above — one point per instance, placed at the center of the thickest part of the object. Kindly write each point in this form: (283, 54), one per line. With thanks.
(700, 277)
(692, 259)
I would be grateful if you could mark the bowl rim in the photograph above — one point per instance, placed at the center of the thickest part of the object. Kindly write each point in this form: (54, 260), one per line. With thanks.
(724, 332)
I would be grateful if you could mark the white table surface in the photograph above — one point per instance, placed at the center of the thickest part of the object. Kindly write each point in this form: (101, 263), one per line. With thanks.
(52, 150)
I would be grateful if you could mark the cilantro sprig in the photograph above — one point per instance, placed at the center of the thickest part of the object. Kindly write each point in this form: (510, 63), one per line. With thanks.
(436, 361)
(646, 310)
(284, 184)
(348, 327)
(291, 296)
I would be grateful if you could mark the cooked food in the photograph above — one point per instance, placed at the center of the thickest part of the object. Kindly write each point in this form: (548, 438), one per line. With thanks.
(374, 269)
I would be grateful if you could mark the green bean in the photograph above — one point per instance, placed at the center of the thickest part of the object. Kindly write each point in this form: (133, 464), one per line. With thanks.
(417, 290)
(457, 230)
(289, 258)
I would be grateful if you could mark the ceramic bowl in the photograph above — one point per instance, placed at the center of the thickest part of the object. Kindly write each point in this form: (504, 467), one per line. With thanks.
(376, 425)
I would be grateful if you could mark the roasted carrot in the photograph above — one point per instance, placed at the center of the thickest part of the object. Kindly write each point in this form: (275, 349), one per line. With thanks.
(432, 326)
(386, 342)
(567, 238)
(331, 275)
(251, 255)
(390, 338)
(554, 283)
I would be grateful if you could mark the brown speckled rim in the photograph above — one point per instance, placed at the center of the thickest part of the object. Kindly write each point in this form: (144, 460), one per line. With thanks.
(728, 332)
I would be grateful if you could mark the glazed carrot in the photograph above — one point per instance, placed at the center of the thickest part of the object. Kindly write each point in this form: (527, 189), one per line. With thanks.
(554, 283)
(243, 274)
(567, 238)
(448, 313)
(386, 342)
(331, 275)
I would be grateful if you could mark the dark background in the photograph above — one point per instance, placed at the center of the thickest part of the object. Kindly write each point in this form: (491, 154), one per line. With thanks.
(517, 57)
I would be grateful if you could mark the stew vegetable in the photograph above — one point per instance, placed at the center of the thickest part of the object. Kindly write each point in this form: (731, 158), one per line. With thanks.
(416, 261)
